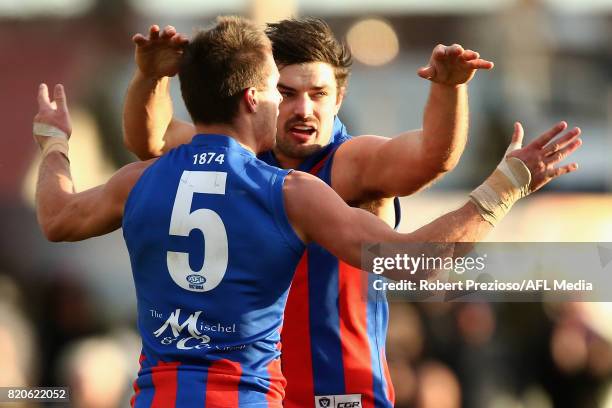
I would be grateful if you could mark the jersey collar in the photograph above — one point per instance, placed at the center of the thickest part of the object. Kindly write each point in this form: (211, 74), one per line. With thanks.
(218, 140)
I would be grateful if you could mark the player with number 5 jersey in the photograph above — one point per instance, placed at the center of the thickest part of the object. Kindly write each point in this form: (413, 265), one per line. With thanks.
(211, 248)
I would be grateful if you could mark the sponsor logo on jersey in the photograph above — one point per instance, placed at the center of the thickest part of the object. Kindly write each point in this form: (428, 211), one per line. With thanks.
(324, 402)
(338, 401)
(196, 281)
(195, 339)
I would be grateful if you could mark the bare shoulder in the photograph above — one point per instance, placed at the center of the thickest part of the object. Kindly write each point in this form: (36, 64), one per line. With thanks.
(303, 190)
(122, 182)
(366, 145)
(362, 144)
(300, 182)
(132, 171)
(179, 132)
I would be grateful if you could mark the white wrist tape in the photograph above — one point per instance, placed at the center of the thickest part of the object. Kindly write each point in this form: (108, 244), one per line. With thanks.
(509, 182)
(50, 139)
(42, 129)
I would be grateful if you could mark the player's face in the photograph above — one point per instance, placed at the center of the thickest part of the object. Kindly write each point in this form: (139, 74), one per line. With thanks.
(270, 99)
(310, 102)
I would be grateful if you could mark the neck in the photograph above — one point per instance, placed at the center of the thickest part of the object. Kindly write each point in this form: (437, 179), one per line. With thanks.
(236, 132)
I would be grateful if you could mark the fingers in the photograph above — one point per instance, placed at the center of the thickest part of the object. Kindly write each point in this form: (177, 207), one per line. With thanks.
(43, 97)
(427, 72)
(456, 54)
(480, 64)
(560, 171)
(439, 51)
(179, 40)
(469, 55)
(517, 136)
(564, 152)
(168, 33)
(455, 50)
(548, 135)
(442, 51)
(59, 96)
(517, 139)
(154, 32)
(558, 144)
(139, 39)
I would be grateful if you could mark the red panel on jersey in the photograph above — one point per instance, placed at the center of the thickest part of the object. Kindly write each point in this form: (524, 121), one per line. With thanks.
(297, 358)
(165, 384)
(353, 332)
(222, 384)
(315, 169)
(276, 393)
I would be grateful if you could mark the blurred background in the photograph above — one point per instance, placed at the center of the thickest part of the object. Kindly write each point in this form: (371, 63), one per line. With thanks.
(67, 311)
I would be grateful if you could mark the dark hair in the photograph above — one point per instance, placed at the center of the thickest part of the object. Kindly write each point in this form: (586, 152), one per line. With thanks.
(298, 41)
(218, 64)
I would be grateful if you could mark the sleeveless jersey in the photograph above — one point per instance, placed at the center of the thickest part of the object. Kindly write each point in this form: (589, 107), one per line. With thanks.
(212, 255)
(335, 324)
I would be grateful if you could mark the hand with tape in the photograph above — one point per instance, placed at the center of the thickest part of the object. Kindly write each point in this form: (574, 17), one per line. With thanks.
(52, 127)
(524, 170)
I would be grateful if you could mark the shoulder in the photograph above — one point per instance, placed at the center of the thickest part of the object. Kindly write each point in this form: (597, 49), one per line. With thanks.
(353, 153)
(266, 168)
(360, 145)
(134, 170)
(299, 183)
(122, 182)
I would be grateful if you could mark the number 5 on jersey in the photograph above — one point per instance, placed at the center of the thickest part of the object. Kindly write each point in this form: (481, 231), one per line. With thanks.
(183, 221)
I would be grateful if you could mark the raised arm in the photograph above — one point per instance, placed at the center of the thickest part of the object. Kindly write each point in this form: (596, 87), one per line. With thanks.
(374, 166)
(149, 128)
(318, 214)
(64, 214)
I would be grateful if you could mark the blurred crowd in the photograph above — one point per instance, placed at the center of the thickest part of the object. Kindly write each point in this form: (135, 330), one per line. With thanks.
(441, 355)
(537, 355)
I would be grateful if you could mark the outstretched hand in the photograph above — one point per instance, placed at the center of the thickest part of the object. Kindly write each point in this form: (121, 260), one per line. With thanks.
(545, 152)
(52, 118)
(159, 54)
(453, 65)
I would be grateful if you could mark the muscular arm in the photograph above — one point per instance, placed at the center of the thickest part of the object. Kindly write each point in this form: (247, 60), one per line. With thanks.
(149, 129)
(372, 167)
(319, 214)
(65, 215)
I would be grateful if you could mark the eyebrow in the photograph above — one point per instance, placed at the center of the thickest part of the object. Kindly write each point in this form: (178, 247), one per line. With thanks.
(314, 88)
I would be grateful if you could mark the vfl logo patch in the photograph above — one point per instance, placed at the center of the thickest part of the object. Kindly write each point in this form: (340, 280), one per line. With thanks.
(324, 402)
(196, 281)
(338, 401)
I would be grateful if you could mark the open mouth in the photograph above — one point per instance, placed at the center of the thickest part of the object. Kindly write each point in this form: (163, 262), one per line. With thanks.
(302, 132)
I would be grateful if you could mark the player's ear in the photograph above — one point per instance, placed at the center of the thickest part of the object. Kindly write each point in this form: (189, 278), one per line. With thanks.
(250, 98)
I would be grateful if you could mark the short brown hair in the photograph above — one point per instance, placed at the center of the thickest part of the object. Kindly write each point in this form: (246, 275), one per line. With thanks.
(299, 41)
(218, 64)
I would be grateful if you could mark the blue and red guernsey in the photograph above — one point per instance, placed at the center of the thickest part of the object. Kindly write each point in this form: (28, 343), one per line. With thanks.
(335, 324)
(212, 255)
